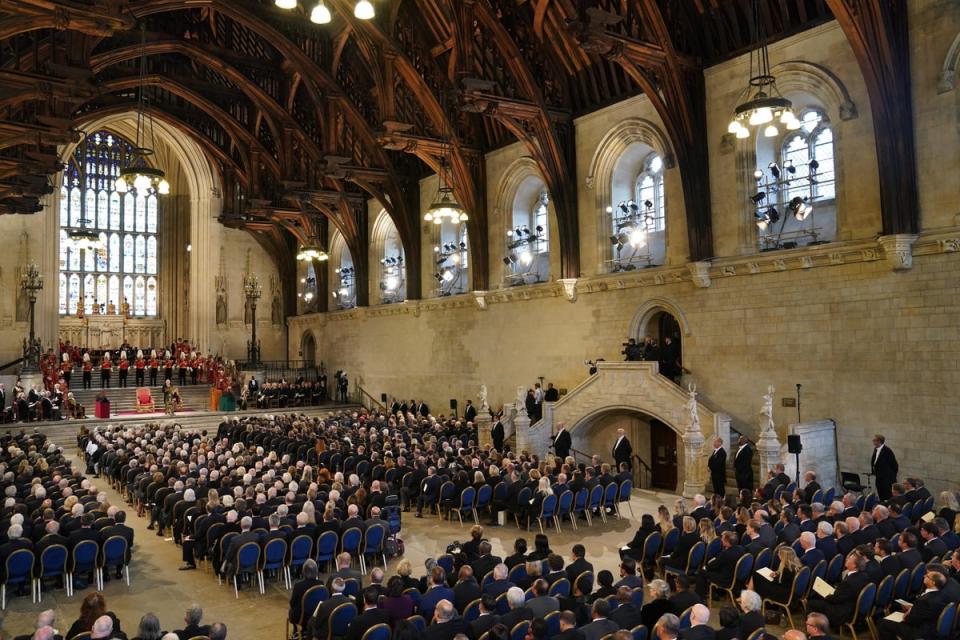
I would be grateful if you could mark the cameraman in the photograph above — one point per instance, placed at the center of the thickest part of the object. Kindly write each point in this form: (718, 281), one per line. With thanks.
(632, 352)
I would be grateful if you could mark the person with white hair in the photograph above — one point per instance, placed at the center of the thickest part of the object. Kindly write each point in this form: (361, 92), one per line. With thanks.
(230, 560)
(102, 628)
(752, 617)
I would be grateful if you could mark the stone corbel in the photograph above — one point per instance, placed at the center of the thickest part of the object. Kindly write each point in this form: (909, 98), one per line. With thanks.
(898, 249)
(480, 297)
(700, 272)
(569, 288)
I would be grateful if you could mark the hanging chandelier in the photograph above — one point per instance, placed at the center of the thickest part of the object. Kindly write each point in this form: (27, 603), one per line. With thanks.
(310, 252)
(320, 14)
(445, 205)
(137, 174)
(761, 104)
(83, 238)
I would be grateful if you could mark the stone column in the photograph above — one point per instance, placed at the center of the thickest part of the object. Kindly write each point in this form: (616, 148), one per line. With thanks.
(484, 424)
(521, 422)
(768, 446)
(693, 463)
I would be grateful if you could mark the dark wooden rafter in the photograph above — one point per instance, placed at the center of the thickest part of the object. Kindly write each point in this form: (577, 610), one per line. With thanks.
(879, 35)
(548, 140)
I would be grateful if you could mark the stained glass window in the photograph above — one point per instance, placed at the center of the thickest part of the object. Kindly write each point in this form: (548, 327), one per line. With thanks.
(88, 200)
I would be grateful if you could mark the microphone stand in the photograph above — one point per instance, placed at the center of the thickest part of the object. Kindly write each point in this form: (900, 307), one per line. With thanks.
(798, 422)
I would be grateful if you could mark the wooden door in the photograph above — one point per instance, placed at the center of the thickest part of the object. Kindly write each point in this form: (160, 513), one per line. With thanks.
(663, 450)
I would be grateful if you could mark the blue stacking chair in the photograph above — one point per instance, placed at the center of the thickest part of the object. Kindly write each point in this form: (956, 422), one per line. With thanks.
(53, 564)
(609, 501)
(467, 499)
(548, 512)
(560, 588)
(350, 541)
(636, 597)
(523, 498)
(301, 548)
(884, 594)
(685, 618)
(351, 587)
(651, 549)
(863, 609)
(916, 578)
(581, 506)
(484, 496)
(829, 496)
(377, 632)
(113, 554)
(446, 496)
(274, 558)
(446, 561)
(373, 545)
(414, 595)
(670, 541)
(763, 558)
(394, 518)
(740, 575)
(872, 501)
(248, 561)
(713, 549)
(17, 570)
(553, 623)
(418, 623)
(518, 573)
(500, 492)
(340, 620)
(946, 620)
(901, 585)
(623, 495)
(519, 631)
(472, 611)
(503, 607)
(565, 508)
(309, 602)
(595, 503)
(801, 582)
(327, 547)
(83, 560)
(639, 632)
(834, 569)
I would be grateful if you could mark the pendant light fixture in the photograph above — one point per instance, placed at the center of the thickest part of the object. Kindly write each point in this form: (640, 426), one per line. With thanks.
(445, 205)
(320, 14)
(761, 106)
(137, 174)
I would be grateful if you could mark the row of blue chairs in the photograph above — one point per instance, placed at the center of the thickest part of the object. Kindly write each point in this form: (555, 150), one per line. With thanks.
(23, 565)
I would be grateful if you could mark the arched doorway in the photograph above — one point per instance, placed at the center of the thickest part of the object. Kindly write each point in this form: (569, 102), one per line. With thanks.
(654, 442)
(661, 324)
(308, 349)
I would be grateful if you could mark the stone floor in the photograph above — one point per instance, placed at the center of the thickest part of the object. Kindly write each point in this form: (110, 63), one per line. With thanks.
(157, 586)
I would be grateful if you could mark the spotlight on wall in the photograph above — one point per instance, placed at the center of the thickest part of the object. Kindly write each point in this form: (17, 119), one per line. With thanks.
(758, 197)
(799, 208)
(526, 258)
(774, 170)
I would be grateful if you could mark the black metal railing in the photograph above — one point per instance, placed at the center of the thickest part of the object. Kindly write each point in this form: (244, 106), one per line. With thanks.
(12, 363)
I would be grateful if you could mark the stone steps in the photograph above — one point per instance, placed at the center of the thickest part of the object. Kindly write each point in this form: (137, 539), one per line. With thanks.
(195, 397)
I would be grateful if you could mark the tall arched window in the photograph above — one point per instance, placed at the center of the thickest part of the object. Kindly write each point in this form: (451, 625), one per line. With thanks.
(88, 200)
(637, 213)
(650, 192)
(451, 256)
(527, 251)
(795, 195)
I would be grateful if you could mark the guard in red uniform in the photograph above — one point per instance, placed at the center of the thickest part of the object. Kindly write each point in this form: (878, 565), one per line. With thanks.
(154, 367)
(66, 369)
(105, 369)
(123, 367)
(87, 371)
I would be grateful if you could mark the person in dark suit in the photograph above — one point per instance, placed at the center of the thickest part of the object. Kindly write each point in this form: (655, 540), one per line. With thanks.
(322, 618)
(699, 628)
(752, 617)
(811, 487)
(718, 468)
(883, 466)
(627, 615)
(578, 564)
(519, 611)
(310, 572)
(721, 568)
(469, 412)
(562, 441)
(889, 563)
(685, 596)
(519, 555)
(601, 625)
(192, 619)
(658, 605)
(85, 532)
(467, 588)
(825, 540)
(497, 434)
(429, 491)
(437, 591)
(677, 559)
(568, 627)
(485, 562)
(487, 618)
(933, 546)
(811, 556)
(839, 605)
(370, 616)
(909, 556)
(919, 620)
(242, 538)
(743, 464)
(51, 538)
(500, 583)
(622, 451)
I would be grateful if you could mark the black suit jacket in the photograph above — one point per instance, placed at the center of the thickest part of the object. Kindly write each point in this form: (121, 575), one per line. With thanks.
(561, 443)
(465, 592)
(844, 599)
(575, 568)
(296, 596)
(718, 463)
(192, 631)
(481, 625)
(444, 631)
(365, 620)
(743, 465)
(627, 616)
(720, 569)
(622, 451)
(884, 467)
(924, 613)
(570, 634)
(933, 549)
(324, 611)
(699, 632)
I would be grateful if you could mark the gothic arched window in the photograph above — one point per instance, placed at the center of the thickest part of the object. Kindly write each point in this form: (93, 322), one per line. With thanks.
(88, 200)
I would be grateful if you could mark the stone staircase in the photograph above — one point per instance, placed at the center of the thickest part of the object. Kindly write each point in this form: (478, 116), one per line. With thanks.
(122, 400)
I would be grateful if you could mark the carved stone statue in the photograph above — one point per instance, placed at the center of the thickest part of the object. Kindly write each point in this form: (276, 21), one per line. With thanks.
(766, 412)
(522, 400)
(693, 414)
(221, 307)
(483, 398)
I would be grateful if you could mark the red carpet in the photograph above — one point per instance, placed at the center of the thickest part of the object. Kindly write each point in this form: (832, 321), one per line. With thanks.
(153, 414)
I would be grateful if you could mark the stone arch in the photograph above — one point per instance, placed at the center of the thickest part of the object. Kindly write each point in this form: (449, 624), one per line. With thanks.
(599, 420)
(517, 177)
(203, 184)
(338, 245)
(607, 157)
(653, 306)
(383, 225)
(308, 348)
(947, 78)
(800, 76)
